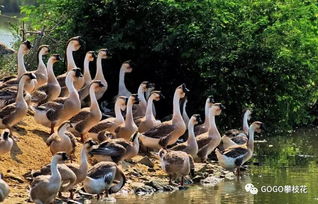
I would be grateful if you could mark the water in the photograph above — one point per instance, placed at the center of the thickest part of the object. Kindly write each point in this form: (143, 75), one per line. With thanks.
(6, 36)
(281, 161)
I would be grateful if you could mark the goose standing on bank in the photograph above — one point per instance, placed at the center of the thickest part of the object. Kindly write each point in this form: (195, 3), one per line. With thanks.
(168, 132)
(176, 164)
(52, 89)
(88, 117)
(126, 67)
(126, 129)
(73, 45)
(6, 142)
(45, 188)
(41, 72)
(53, 113)
(140, 108)
(208, 141)
(89, 57)
(11, 114)
(235, 156)
(204, 127)
(190, 146)
(102, 54)
(149, 121)
(110, 124)
(4, 189)
(101, 177)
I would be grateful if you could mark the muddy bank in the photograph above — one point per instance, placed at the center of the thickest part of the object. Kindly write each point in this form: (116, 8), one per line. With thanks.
(144, 174)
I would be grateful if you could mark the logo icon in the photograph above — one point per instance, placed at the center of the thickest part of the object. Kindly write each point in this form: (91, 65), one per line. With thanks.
(251, 188)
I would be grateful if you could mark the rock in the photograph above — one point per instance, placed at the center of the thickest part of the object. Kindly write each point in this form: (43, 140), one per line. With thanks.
(142, 189)
(146, 161)
(211, 181)
(229, 176)
(156, 185)
(197, 178)
(151, 170)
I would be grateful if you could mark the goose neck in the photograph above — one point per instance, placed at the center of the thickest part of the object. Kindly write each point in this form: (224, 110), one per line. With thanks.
(191, 137)
(250, 143)
(70, 59)
(149, 110)
(206, 114)
(70, 86)
(87, 75)
(213, 130)
(99, 72)
(245, 123)
(20, 90)
(54, 170)
(129, 115)
(118, 114)
(21, 65)
(122, 85)
(176, 107)
(84, 162)
(41, 65)
(141, 96)
(92, 95)
(51, 76)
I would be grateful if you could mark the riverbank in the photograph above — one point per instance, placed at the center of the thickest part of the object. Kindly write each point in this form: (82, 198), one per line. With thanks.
(144, 174)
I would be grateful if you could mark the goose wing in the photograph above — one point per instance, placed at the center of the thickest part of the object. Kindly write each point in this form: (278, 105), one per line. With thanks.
(179, 147)
(103, 125)
(83, 114)
(235, 152)
(61, 79)
(160, 131)
(101, 169)
(203, 140)
(109, 149)
(38, 96)
(7, 110)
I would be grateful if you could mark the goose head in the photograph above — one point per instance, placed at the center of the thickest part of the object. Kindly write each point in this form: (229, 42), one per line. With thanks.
(89, 144)
(77, 73)
(144, 86)
(90, 56)
(133, 99)
(217, 108)
(26, 47)
(182, 90)
(61, 157)
(122, 101)
(156, 95)
(258, 126)
(195, 119)
(6, 134)
(162, 152)
(55, 58)
(43, 50)
(97, 84)
(74, 43)
(127, 66)
(104, 53)
(247, 113)
(210, 101)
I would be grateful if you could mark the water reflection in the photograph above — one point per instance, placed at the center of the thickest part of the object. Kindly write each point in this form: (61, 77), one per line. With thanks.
(6, 36)
(282, 161)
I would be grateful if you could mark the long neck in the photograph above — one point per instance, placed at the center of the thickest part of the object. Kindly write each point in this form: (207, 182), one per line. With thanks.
(213, 130)
(129, 114)
(41, 65)
(70, 86)
(118, 114)
(122, 85)
(84, 164)
(149, 110)
(54, 171)
(94, 103)
(245, 123)
(250, 143)
(87, 74)
(206, 114)
(191, 136)
(141, 96)
(70, 59)
(20, 90)
(50, 72)
(176, 107)
(99, 73)
(61, 132)
(184, 113)
(21, 65)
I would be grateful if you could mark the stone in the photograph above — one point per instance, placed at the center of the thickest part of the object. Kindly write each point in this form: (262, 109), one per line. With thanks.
(146, 161)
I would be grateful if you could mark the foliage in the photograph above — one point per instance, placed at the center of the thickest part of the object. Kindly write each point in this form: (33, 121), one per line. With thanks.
(260, 53)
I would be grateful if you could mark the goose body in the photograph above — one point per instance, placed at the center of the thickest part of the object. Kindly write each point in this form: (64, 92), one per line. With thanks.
(4, 189)
(168, 132)
(6, 142)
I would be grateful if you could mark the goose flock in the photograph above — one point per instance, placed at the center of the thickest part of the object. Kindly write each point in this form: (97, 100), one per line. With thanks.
(69, 105)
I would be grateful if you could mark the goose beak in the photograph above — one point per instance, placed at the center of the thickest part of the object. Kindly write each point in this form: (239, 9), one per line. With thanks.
(262, 127)
(222, 107)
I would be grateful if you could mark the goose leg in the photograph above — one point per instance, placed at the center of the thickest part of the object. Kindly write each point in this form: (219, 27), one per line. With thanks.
(52, 128)
(106, 192)
(170, 180)
(71, 194)
(182, 181)
(238, 172)
(82, 138)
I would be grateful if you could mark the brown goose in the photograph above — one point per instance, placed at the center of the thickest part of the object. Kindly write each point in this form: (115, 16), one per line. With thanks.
(235, 156)
(140, 108)
(52, 89)
(11, 114)
(53, 113)
(176, 164)
(116, 149)
(190, 146)
(88, 117)
(6, 142)
(168, 132)
(199, 129)
(208, 141)
(101, 177)
(126, 129)
(126, 67)
(110, 124)
(149, 121)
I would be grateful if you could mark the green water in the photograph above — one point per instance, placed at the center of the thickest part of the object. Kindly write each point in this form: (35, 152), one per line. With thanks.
(289, 160)
(6, 36)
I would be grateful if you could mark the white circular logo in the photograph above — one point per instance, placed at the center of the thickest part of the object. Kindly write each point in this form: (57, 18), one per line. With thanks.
(251, 188)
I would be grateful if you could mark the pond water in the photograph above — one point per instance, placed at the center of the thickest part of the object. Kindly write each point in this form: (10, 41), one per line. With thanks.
(289, 160)
(6, 36)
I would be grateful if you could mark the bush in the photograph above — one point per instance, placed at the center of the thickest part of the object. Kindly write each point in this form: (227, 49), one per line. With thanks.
(260, 54)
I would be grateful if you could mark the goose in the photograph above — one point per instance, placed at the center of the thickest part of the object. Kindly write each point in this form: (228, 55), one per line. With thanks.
(110, 124)
(52, 89)
(73, 44)
(116, 149)
(102, 54)
(6, 142)
(62, 140)
(126, 129)
(45, 188)
(204, 127)
(84, 91)
(140, 108)
(13, 81)
(176, 164)
(235, 156)
(4, 189)
(53, 113)
(149, 121)
(11, 114)
(41, 72)
(185, 116)
(126, 67)
(208, 141)
(190, 146)
(169, 131)
(88, 117)
(101, 177)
